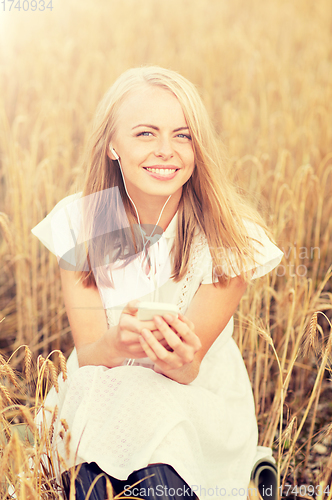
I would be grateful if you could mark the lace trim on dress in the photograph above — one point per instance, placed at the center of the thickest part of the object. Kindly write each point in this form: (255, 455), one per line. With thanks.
(110, 318)
(199, 246)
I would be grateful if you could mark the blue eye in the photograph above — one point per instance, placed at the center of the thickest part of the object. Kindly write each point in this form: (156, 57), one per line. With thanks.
(184, 135)
(144, 134)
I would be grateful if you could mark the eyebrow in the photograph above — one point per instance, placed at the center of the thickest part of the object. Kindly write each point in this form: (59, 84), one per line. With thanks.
(157, 128)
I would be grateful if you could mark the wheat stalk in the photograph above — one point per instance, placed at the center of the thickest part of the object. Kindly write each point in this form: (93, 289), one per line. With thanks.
(63, 365)
(27, 362)
(6, 394)
(28, 417)
(67, 444)
(51, 429)
(54, 374)
(6, 231)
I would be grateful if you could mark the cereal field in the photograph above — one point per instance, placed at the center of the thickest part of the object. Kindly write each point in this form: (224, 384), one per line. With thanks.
(264, 70)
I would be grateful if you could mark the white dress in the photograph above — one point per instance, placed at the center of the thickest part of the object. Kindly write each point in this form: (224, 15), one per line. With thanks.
(127, 417)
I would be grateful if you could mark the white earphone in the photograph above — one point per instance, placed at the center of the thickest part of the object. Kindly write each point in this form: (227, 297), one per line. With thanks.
(116, 156)
(148, 238)
(114, 153)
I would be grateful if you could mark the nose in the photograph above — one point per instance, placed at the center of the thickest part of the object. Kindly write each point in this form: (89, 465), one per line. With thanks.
(164, 148)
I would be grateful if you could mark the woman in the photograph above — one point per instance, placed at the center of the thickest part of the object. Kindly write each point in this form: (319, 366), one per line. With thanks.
(157, 221)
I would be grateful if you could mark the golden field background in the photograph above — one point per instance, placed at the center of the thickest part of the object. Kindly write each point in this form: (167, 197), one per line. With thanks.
(264, 70)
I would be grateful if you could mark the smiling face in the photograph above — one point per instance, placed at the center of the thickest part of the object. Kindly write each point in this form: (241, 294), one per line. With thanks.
(154, 144)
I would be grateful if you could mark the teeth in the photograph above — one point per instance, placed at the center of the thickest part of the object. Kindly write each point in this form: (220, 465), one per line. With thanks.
(162, 171)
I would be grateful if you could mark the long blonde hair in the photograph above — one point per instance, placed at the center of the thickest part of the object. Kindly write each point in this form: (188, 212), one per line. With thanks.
(209, 200)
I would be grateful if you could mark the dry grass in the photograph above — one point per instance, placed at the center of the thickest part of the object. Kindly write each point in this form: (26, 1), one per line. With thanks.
(264, 70)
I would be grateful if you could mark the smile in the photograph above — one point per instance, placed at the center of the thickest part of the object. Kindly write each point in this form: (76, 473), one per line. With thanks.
(161, 171)
(162, 174)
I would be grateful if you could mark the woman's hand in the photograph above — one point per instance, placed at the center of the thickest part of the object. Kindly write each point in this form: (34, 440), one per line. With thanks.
(128, 332)
(180, 337)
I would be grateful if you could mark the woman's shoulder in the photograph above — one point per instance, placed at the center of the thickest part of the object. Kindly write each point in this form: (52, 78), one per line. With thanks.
(254, 230)
(63, 216)
(67, 201)
(266, 254)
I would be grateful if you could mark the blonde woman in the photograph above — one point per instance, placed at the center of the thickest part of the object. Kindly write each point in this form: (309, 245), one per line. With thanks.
(157, 221)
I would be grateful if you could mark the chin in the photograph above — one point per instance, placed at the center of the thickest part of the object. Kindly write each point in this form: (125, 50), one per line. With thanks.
(169, 192)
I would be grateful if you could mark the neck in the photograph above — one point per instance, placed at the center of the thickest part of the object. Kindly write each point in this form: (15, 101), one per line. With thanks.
(149, 209)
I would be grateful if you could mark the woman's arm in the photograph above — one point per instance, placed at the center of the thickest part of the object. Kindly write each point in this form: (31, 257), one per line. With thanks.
(209, 312)
(96, 344)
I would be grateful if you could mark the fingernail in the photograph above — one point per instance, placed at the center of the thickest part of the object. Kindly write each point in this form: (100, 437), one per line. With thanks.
(158, 320)
(168, 317)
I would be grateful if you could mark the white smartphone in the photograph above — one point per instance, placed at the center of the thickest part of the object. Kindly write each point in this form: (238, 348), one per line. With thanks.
(146, 310)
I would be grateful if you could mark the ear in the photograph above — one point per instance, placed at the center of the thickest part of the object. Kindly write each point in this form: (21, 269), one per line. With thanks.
(112, 153)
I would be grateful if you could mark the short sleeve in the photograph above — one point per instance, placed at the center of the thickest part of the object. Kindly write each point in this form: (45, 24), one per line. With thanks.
(266, 255)
(62, 230)
(59, 230)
